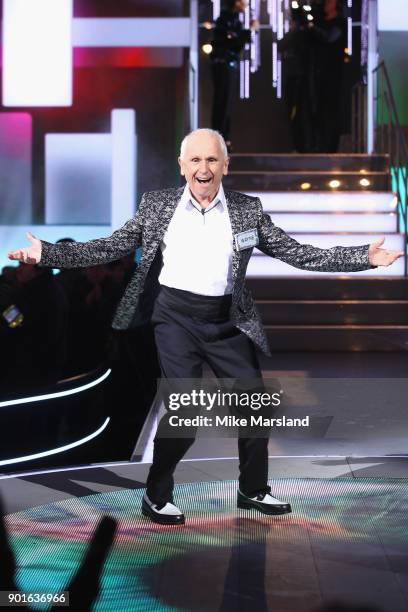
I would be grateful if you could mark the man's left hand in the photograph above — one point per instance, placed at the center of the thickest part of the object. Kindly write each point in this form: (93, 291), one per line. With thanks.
(381, 257)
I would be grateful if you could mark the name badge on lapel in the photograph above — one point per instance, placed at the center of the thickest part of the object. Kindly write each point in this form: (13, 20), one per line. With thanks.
(247, 239)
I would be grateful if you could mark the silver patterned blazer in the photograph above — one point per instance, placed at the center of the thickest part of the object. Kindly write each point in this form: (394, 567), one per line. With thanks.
(146, 229)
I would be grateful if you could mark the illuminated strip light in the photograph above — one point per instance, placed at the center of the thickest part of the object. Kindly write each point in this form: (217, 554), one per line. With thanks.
(47, 396)
(254, 64)
(275, 457)
(60, 449)
(133, 463)
(279, 81)
(71, 468)
(257, 37)
(254, 39)
(248, 51)
(274, 64)
(280, 22)
(350, 29)
(274, 15)
(258, 34)
(216, 9)
(244, 69)
(350, 35)
(258, 51)
(241, 79)
(286, 23)
(246, 18)
(37, 52)
(131, 31)
(124, 164)
(277, 21)
(364, 37)
(245, 63)
(280, 34)
(246, 77)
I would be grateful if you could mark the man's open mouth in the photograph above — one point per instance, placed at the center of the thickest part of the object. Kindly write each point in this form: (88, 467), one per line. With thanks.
(203, 181)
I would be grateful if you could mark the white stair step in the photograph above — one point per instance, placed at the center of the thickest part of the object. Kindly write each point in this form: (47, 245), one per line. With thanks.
(336, 201)
(336, 222)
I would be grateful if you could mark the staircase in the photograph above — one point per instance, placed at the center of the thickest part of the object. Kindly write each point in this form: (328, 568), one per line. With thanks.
(312, 311)
(271, 172)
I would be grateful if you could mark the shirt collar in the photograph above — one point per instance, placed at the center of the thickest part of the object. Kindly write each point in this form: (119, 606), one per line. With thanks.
(189, 202)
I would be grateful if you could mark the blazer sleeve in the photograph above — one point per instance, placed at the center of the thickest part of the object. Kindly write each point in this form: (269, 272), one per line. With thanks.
(99, 251)
(275, 242)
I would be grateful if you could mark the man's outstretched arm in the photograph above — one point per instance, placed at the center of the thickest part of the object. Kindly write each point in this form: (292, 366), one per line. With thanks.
(275, 242)
(83, 254)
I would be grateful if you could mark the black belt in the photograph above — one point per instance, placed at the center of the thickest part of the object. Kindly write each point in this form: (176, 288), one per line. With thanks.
(206, 307)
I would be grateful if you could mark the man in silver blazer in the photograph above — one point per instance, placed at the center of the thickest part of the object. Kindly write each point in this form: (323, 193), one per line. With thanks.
(202, 309)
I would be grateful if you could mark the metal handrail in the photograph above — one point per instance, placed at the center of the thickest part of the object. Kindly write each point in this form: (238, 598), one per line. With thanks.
(389, 139)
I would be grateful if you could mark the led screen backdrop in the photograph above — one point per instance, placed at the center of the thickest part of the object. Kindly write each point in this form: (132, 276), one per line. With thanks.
(37, 52)
(392, 15)
(78, 179)
(75, 166)
(15, 168)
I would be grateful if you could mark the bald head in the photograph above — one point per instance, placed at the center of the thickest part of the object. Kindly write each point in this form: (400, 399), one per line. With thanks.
(202, 135)
(203, 162)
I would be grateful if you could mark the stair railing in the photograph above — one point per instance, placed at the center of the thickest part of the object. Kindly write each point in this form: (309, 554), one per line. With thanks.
(389, 139)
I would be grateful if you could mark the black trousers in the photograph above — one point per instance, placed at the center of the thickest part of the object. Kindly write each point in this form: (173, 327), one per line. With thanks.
(225, 82)
(189, 331)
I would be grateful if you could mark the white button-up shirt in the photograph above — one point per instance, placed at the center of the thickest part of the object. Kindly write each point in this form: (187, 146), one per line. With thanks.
(197, 247)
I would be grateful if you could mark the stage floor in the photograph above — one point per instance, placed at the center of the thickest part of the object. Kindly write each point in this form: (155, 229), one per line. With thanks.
(347, 538)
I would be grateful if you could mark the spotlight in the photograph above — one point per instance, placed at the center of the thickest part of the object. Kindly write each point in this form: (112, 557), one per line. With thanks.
(334, 184)
(310, 17)
(307, 7)
(305, 186)
(207, 48)
(295, 5)
(365, 182)
(208, 25)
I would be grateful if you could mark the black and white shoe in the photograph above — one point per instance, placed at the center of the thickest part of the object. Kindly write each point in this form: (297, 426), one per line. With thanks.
(263, 502)
(164, 514)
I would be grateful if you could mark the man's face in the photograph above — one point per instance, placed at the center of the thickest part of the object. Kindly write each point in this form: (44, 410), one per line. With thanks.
(241, 5)
(203, 165)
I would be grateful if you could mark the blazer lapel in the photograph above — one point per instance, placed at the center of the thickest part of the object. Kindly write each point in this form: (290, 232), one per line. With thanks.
(235, 216)
(167, 211)
(164, 215)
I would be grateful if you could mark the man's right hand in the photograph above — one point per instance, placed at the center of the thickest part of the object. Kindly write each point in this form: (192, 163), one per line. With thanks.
(30, 254)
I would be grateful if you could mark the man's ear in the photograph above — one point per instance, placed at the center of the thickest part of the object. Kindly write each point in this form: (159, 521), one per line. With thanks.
(226, 164)
(181, 166)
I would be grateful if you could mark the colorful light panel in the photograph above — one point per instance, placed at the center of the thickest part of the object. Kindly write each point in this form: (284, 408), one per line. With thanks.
(37, 53)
